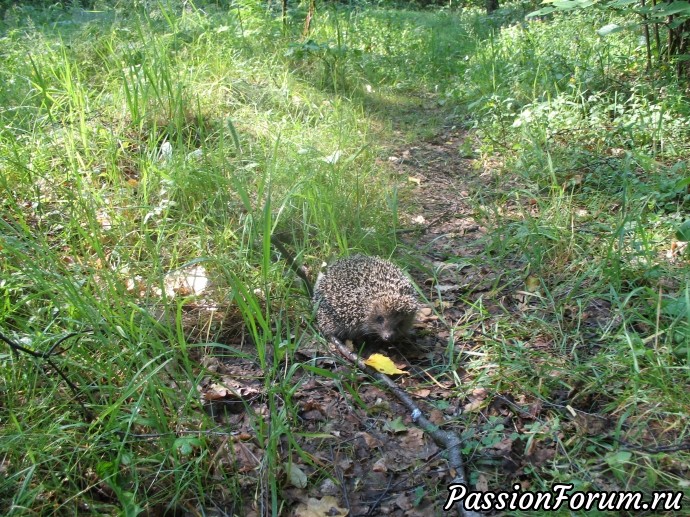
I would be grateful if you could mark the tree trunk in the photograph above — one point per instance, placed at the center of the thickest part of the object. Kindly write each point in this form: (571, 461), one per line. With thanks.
(491, 6)
(310, 15)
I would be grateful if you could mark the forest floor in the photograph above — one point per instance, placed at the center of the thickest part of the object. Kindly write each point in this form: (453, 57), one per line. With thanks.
(372, 458)
(150, 152)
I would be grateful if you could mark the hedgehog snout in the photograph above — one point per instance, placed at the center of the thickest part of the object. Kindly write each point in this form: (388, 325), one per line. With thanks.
(388, 335)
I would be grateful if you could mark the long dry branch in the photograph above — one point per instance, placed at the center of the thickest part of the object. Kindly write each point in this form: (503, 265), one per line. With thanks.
(445, 439)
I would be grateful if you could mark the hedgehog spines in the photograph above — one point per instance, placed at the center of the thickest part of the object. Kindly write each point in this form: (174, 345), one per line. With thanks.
(364, 297)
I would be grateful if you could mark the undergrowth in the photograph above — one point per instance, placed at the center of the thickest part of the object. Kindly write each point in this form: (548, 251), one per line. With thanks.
(591, 193)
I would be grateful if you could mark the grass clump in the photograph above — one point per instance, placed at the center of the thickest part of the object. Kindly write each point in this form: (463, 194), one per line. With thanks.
(584, 205)
(139, 145)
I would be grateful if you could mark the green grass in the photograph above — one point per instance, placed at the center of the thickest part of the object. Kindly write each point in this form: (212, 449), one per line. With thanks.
(96, 216)
(268, 132)
(591, 192)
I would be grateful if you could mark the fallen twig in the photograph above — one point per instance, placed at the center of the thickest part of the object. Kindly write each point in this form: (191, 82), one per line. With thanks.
(446, 439)
(47, 356)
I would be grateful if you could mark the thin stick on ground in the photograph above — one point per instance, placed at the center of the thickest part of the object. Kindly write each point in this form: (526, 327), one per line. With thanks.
(446, 439)
(53, 351)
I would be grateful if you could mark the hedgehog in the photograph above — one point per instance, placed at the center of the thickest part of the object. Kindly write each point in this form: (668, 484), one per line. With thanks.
(364, 298)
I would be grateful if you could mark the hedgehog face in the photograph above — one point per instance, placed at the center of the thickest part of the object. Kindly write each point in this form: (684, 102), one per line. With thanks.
(391, 319)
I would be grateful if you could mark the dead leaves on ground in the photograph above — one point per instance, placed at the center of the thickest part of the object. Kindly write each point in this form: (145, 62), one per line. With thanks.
(367, 444)
(364, 445)
(327, 506)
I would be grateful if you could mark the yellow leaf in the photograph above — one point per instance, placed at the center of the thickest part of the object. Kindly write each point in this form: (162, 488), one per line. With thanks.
(413, 179)
(383, 364)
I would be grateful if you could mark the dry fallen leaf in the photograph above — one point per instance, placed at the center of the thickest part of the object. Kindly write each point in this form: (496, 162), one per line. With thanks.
(229, 390)
(505, 445)
(185, 282)
(426, 314)
(296, 475)
(477, 400)
(371, 441)
(413, 439)
(403, 502)
(215, 392)
(532, 283)
(383, 364)
(345, 465)
(380, 466)
(442, 305)
(436, 417)
(482, 484)
(327, 506)
(539, 455)
(446, 288)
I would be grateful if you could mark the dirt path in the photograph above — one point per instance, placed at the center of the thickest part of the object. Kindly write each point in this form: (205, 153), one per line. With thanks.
(365, 453)
(381, 463)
